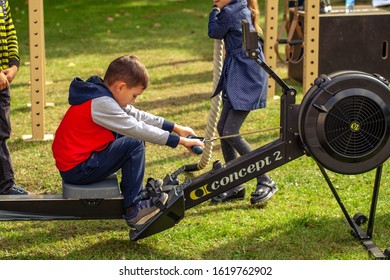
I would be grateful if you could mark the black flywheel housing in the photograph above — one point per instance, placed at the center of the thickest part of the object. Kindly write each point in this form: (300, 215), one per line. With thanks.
(344, 121)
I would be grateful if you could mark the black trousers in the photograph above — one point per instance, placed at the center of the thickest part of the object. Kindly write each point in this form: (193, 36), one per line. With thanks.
(230, 123)
(6, 169)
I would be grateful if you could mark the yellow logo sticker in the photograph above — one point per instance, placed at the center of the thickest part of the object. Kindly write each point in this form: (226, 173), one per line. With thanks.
(355, 126)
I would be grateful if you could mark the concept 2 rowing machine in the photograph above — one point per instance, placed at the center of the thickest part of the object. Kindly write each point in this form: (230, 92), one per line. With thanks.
(343, 123)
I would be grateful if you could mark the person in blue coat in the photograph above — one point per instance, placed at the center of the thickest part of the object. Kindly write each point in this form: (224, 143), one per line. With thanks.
(244, 88)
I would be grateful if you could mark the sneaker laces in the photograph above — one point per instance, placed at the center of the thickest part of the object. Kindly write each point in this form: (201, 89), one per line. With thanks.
(146, 203)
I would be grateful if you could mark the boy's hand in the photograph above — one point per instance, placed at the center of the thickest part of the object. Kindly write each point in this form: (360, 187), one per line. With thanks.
(183, 131)
(3, 81)
(189, 143)
(10, 73)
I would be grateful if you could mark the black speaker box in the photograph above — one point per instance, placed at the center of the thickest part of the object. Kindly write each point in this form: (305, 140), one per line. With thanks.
(355, 41)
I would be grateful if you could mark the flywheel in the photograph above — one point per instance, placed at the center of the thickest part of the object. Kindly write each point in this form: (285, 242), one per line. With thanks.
(344, 121)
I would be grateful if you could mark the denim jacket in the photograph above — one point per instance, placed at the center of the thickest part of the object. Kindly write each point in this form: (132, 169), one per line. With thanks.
(243, 82)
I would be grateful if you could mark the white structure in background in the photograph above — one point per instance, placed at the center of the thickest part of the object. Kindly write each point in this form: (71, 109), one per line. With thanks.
(376, 3)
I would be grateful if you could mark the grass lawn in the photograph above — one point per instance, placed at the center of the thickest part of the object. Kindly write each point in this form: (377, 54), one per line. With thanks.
(302, 221)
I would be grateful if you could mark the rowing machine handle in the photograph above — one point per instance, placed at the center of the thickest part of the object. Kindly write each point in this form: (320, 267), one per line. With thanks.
(196, 149)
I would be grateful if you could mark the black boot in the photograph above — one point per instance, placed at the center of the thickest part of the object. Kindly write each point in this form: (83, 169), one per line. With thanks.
(232, 194)
(266, 188)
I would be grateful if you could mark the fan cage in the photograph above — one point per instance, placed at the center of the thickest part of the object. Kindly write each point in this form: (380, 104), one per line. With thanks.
(354, 126)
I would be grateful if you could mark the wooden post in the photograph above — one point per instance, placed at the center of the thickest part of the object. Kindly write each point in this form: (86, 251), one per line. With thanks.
(37, 70)
(311, 43)
(270, 36)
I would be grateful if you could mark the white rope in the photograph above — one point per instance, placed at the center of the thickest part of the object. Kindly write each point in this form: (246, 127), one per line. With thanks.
(215, 105)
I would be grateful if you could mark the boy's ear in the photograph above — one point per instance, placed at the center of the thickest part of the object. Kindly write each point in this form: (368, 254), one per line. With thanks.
(119, 85)
(122, 84)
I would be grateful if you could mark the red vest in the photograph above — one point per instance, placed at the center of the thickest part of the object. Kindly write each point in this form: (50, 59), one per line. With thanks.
(78, 136)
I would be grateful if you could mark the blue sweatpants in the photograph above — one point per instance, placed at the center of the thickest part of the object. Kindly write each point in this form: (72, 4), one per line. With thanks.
(124, 153)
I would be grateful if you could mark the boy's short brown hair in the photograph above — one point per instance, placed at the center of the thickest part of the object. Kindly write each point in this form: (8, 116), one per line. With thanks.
(129, 69)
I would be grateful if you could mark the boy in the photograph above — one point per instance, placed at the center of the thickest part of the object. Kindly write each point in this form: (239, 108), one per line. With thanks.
(102, 133)
(9, 65)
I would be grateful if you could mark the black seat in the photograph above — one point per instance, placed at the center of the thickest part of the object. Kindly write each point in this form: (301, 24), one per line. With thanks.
(107, 188)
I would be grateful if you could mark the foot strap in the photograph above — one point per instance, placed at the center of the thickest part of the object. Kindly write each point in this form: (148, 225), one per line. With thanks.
(158, 203)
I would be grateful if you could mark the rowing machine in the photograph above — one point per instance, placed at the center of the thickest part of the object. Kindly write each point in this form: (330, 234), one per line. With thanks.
(342, 123)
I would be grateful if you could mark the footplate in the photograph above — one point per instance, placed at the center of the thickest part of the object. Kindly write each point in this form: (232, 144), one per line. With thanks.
(172, 214)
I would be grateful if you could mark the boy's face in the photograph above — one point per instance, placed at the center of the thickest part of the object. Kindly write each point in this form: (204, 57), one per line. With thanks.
(124, 95)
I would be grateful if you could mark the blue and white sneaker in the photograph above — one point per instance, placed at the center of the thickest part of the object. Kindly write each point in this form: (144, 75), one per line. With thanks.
(136, 216)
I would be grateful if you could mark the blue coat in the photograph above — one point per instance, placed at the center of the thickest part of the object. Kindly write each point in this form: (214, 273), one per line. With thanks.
(243, 82)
